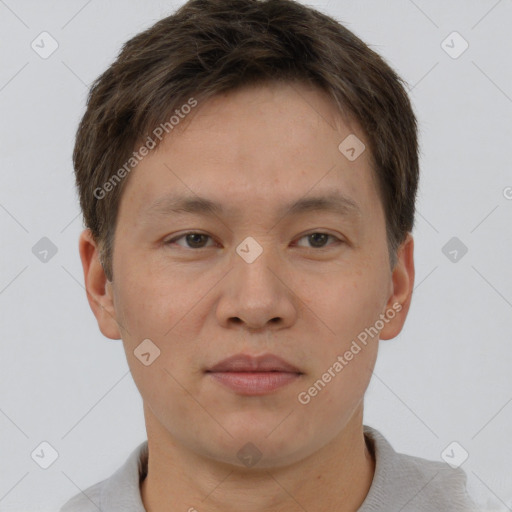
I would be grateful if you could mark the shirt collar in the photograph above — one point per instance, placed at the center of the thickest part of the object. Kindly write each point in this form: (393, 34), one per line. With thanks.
(121, 491)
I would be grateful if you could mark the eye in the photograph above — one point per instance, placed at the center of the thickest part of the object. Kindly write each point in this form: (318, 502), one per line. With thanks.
(318, 239)
(193, 238)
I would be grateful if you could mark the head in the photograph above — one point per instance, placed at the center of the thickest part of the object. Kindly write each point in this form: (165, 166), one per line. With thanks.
(248, 104)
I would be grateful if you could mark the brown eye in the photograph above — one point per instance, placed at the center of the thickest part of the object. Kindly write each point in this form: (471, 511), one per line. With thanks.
(193, 240)
(318, 240)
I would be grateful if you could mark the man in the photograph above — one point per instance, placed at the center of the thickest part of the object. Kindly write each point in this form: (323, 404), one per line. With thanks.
(247, 172)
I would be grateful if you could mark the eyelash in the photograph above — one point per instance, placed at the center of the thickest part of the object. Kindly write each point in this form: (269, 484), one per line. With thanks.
(184, 235)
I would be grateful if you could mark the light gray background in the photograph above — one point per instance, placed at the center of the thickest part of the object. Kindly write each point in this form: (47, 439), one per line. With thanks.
(446, 377)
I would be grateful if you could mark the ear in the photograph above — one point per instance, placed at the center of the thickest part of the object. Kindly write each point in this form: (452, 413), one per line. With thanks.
(401, 289)
(97, 286)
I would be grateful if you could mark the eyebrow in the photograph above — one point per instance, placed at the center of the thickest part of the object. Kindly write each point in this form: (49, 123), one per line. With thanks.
(330, 202)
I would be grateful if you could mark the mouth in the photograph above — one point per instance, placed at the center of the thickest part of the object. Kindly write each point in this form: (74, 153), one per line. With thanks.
(248, 375)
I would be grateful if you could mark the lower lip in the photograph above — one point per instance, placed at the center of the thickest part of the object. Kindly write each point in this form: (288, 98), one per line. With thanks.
(254, 383)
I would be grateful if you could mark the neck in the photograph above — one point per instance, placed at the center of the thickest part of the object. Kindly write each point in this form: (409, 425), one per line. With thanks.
(338, 476)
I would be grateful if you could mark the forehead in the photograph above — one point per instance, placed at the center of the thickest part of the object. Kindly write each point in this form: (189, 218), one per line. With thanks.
(267, 144)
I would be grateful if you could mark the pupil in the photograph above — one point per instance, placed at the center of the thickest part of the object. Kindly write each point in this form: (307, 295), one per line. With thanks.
(191, 237)
(315, 236)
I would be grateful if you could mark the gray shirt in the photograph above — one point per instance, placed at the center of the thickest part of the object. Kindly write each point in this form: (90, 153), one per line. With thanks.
(401, 483)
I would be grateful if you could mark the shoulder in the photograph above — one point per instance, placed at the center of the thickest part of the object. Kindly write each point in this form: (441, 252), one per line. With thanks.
(435, 485)
(86, 501)
(410, 483)
(119, 492)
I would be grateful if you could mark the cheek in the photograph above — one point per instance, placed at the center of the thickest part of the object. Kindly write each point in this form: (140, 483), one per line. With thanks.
(147, 304)
(347, 303)
(155, 308)
(348, 310)
(334, 395)
(162, 391)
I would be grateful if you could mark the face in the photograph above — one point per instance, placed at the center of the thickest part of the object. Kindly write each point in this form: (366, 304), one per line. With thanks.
(253, 276)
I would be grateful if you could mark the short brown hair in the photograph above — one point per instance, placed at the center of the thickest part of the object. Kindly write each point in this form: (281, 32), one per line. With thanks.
(211, 46)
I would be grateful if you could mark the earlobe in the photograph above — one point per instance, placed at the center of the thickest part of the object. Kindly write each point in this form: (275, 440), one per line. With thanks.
(399, 301)
(98, 288)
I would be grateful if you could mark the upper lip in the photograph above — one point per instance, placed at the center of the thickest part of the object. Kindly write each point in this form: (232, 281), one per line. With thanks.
(248, 363)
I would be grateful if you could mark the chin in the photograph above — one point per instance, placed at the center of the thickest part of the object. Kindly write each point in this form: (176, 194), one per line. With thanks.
(263, 448)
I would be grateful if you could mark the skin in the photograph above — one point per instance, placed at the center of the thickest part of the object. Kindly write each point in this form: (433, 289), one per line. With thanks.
(252, 150)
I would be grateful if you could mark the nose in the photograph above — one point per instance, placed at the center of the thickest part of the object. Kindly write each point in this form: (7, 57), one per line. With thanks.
(258, 295)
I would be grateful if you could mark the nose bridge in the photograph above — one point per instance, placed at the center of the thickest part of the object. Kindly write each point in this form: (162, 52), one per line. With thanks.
(256, 263)
(255, 294)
